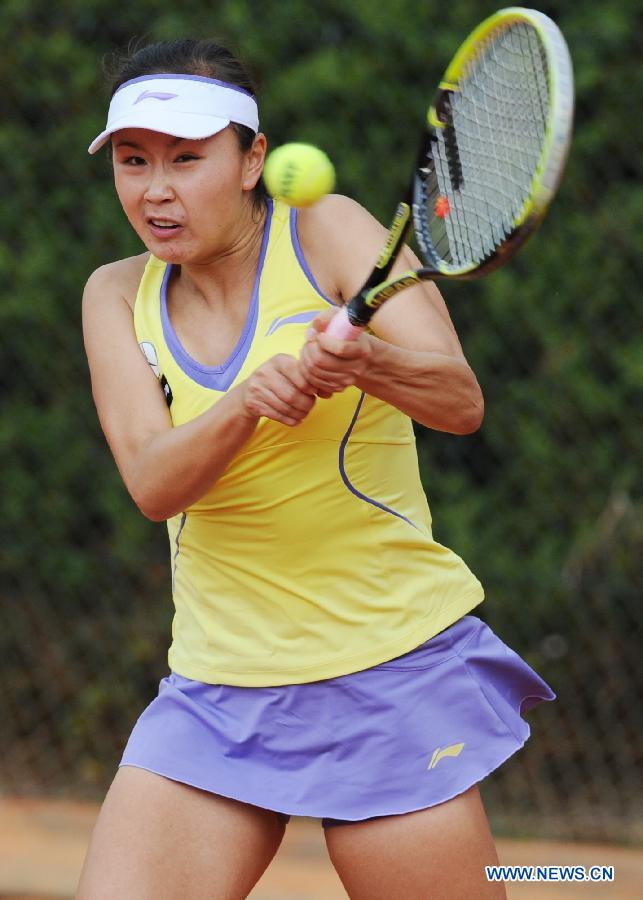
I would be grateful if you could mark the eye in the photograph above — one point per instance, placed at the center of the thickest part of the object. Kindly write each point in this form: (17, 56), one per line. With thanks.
(132, 161)
(186, 157)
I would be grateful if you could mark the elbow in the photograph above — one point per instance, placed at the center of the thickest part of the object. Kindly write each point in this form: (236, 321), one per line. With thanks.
(473, 407)
(149, 505)
(151, 512)
(151, 494)
(472, 415)
(155, 516)
(470, 423)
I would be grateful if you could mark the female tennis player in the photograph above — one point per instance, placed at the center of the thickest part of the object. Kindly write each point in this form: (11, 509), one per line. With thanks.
(324, 661)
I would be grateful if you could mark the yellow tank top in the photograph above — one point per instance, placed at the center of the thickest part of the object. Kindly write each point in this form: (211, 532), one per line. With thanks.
(312, 556)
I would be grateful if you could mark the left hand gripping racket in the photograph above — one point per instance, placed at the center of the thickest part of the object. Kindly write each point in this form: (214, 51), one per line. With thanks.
(490, 160)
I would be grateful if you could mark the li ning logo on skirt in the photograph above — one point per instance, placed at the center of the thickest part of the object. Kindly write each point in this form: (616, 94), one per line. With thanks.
(440, 753)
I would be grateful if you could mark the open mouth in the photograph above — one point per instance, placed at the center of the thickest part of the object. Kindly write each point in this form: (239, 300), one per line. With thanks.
(163, 228)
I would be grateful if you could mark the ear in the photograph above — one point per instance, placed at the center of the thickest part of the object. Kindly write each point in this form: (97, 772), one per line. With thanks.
(254, 161)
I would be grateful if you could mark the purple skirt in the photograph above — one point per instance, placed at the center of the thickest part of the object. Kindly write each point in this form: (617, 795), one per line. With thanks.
(401, 736)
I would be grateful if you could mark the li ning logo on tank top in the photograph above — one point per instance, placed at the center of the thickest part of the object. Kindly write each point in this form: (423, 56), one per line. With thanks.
(149, 351)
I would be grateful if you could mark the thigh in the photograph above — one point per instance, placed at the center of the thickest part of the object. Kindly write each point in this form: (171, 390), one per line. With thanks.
(157, 839)
(437, 852)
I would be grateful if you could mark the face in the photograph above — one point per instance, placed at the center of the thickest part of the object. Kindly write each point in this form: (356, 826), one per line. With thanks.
(188, 200)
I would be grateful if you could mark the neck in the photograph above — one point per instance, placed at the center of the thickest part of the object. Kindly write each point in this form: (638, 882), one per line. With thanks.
(219, 280)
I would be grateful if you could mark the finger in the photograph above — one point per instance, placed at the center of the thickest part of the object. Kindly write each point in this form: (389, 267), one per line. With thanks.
(321, 322)
(294, 401)
(295, 372)
(342, 349)
(274, 394)
(330, 372)
(314, 357)
(331, 385)
(309, 360)
(274, 408)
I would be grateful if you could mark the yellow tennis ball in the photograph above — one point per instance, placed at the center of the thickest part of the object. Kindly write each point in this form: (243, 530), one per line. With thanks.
(299, 174)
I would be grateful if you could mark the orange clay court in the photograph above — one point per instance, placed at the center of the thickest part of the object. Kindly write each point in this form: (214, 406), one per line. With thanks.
(42, 845)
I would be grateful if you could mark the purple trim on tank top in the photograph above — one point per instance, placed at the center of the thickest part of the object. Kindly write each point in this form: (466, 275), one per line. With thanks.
(299, 253)
(217, 378)
(226, 84)
(345, 479)
(176, 552)
(291, 320)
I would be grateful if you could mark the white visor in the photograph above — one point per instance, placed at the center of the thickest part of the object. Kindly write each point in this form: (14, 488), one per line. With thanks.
(186, 106)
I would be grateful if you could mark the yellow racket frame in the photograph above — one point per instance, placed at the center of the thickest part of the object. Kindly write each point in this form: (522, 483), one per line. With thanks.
(558, 129)
(548, 171)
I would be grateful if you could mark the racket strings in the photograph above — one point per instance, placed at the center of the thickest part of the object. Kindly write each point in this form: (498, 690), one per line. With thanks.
(499, 118)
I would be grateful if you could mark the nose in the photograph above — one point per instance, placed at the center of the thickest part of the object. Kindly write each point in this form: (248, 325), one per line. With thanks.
(159, 186)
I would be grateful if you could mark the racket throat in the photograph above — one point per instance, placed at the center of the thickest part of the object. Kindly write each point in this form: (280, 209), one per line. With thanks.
(358, 311)
(444, 116)
(377, 289)
(362, 307)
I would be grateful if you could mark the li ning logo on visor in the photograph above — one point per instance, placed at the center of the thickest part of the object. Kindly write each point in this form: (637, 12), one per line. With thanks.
(440, 753)
(155, 95)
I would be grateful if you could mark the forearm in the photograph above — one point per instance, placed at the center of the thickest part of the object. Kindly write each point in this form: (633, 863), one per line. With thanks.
(175, 468)
(436, 390)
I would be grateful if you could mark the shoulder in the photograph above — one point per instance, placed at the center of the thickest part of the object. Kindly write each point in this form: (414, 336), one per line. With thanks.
(115, 281)
(341, 241)
(333, 218)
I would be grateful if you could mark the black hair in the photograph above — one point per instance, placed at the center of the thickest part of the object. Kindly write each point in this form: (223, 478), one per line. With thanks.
(191, 56)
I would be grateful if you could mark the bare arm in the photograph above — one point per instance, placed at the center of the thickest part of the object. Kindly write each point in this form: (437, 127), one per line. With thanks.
(166, 469)
(413, 359)
(436, 390)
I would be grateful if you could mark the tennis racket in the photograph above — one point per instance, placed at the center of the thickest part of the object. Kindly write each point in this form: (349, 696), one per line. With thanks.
(489, 162)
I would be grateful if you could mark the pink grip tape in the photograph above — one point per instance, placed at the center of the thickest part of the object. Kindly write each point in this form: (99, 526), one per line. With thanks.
(341, 327)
